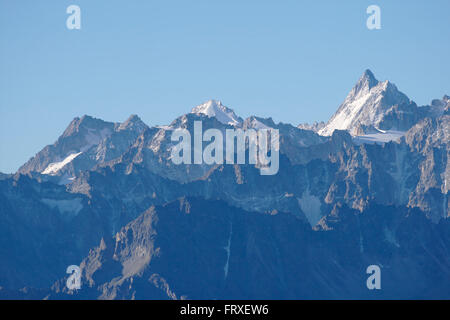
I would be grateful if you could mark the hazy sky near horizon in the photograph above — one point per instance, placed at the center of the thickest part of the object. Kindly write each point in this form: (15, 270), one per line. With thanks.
(294, 61)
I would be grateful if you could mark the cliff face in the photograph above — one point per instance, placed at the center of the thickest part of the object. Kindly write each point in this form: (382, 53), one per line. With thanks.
(197, 249)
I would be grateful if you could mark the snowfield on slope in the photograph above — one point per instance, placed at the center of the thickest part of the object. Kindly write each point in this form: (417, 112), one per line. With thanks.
(54, 167)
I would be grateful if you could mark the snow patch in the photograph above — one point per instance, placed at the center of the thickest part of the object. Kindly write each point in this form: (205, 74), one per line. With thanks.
(54, 167)
(310, 205)
(349, 110)
(380, 137)
(227, 249)
(216, 109)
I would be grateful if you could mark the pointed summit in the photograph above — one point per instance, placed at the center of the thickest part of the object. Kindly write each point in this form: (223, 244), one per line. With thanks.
(366, 81)
(85, 123)
(86, 142)
(133, 123)
(133, 118)
(215, 108)
(369, 75)
(365, 106)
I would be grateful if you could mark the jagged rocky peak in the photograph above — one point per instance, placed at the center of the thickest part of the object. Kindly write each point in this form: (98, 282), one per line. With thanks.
(133, 123)
(366, 81)
(80, 135)
(365, 105)
(257, 123)
(83, 133)
(215, 108)
(86, 142)
(86, 122)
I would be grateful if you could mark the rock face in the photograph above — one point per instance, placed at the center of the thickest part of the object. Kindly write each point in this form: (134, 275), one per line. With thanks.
(106, 196)
(214, 251)
(365, 106)
(85, 143)
(372, 106)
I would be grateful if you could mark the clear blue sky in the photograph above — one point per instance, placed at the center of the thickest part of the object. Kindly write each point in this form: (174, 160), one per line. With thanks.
(292, 60)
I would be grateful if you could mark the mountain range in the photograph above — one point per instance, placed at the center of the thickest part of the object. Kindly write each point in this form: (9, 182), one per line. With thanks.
(369, 187)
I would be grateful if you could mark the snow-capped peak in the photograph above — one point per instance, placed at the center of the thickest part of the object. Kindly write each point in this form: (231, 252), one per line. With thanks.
(364, 106)
(367, 80)
(214, 108)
